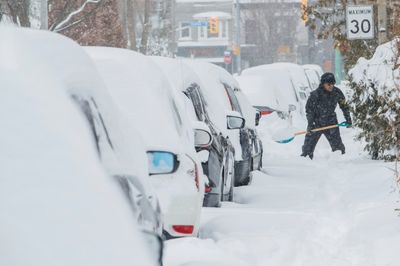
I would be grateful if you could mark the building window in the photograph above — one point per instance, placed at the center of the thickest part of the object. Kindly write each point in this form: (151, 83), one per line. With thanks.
(223, 27)
(185, 31)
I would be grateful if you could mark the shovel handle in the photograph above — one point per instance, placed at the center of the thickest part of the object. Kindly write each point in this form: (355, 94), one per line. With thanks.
(320, 129)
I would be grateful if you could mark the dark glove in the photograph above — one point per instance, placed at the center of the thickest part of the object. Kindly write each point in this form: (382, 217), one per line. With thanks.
(349, 124)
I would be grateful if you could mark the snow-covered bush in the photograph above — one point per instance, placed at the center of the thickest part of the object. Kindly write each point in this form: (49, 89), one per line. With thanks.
(375, 100)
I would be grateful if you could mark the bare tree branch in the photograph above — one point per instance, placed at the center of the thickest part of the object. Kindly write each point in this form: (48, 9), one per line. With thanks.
(67, 20)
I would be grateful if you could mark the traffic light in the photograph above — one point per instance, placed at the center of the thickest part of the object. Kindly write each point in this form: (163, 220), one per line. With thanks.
(304, 13)
(213, 25)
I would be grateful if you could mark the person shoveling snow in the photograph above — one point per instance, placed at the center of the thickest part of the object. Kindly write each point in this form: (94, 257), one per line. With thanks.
(320, 109)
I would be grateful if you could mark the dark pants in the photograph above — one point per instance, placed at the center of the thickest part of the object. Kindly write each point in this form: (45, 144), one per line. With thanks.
(332, 135)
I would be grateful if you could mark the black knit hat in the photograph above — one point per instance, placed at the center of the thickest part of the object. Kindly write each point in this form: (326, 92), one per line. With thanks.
(328, 78)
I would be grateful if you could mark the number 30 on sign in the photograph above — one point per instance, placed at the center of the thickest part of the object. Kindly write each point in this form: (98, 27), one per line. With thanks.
(360, 22)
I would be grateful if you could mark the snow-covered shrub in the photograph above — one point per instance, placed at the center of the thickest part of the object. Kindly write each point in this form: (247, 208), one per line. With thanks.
(375, 100)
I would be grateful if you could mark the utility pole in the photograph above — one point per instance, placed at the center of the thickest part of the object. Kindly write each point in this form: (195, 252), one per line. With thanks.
(237, 45)
(44, 15)
(382, 21)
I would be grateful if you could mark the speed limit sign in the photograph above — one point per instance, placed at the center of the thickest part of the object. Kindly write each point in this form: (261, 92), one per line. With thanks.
(360, 22)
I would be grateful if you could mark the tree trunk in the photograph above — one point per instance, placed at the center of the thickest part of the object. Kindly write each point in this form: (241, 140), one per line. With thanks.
(131, 25)
(146, 27)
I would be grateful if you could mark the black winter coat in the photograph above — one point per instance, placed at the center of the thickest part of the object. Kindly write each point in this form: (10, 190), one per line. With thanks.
(321, 105)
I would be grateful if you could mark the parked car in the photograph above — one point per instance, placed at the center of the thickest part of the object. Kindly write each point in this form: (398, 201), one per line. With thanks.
(219, 166)
(119, 147)
(316, 68)
(261, 93)
(218, 90)
(313, 73)
(141, 91)
(290, 84)
(252, 117)
(58, 206)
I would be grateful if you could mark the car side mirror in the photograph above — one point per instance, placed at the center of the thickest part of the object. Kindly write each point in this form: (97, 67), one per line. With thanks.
(202, 135)
(292, 108)
(235, 121)
(162, 162)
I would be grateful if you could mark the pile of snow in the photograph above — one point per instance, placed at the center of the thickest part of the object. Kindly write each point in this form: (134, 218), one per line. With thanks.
(382, 69)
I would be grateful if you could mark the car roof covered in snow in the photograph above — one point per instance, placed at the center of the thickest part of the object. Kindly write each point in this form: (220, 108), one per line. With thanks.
(217, 101)
(180, 77)
(57, 204)
(141, 91)
(314, 67)
(71, 65)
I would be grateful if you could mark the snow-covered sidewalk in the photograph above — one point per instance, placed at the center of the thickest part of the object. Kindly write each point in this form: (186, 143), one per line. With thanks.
(334, 210)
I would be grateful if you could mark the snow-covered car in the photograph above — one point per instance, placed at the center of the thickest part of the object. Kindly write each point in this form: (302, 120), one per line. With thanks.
(141, 91)
(119, 147)
(313, 73)
(221, 152)
(289, 81)
(252, 117)
(260, 93)
(218, 90)
(318, 69)
(58, 205)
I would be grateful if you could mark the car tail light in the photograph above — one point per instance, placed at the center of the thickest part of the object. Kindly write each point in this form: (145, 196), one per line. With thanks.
(194, 172)
(183, 229)
(266, 112)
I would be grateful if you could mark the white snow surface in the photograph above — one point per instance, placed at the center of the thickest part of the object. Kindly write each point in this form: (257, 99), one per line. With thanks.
(333, 211)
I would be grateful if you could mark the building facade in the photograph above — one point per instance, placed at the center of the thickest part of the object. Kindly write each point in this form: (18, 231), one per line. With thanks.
(204, 30)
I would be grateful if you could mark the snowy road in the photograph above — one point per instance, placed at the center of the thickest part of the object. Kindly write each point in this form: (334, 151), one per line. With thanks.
(335, 210)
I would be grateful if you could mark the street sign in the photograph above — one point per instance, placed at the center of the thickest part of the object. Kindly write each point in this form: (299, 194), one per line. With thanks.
(199, 23)
(360, 22)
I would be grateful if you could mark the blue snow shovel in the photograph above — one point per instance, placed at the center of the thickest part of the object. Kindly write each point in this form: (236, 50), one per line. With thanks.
(289, 139)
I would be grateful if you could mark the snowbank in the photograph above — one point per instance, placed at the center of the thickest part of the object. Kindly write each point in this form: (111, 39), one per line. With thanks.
(382, 69)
